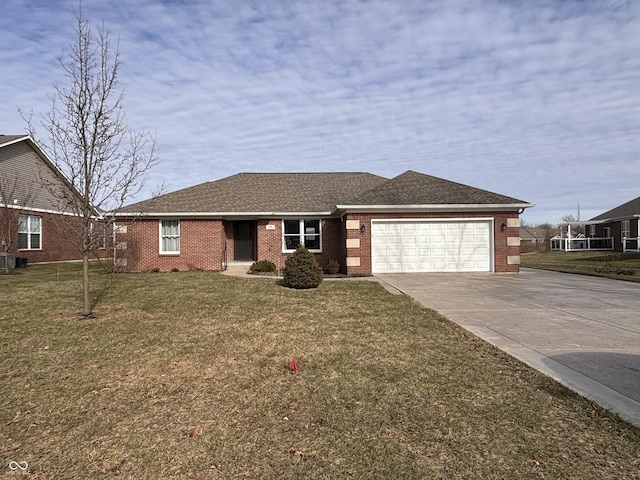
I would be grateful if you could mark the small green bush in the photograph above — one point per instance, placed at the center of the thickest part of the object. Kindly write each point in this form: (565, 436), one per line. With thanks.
(333, 266)
(301, 270)
(263, 266)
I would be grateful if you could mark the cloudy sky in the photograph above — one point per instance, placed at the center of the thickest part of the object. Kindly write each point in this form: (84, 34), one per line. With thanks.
(539, 100)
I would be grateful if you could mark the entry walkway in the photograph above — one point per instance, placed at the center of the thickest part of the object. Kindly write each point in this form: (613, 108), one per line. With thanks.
(582, 331)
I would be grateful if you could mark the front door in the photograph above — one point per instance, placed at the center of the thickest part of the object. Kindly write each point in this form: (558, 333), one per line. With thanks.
(243, 237)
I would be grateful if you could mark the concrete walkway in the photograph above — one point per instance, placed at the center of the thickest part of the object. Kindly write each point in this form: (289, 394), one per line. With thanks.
(582, 331)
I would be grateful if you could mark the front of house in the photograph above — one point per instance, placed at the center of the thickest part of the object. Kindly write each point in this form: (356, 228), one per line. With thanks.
(621, 224)
(370, 224)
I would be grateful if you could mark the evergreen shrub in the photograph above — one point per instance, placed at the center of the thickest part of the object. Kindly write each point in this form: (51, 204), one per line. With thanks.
(301, 270)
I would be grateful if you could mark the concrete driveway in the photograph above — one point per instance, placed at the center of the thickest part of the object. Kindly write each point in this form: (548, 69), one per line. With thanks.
(582, 331)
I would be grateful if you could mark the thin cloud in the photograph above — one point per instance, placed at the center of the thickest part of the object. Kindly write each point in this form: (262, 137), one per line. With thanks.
(537, 101)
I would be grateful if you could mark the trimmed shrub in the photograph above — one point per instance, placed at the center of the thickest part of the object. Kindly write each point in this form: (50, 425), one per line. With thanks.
(263, 266)
(301, 270)
(333, 266)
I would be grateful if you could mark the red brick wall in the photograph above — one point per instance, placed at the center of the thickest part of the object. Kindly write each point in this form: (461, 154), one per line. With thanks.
(501, 250)
(202, 242)
(56, 238)
(270, 242)
(616, 232)
(201, 246)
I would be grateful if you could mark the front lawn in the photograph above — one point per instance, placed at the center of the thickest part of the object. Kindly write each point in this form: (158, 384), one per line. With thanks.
(622, 266)
(187, 375)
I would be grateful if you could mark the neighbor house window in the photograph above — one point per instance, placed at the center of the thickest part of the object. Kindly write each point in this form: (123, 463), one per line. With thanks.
(29, 232)
(592, 230)
(606, 232)
(626, 228)
(169, 236)
(106, 234)
(304, 231)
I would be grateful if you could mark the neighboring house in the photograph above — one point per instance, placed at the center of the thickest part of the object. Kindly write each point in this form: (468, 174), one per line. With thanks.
(534, 238)
(370, 224)
(33, 223)
(621, 223)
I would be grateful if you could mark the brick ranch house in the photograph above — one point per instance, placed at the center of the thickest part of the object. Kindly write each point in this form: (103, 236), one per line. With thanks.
(34, 223)
(621, 224)
(370, 224)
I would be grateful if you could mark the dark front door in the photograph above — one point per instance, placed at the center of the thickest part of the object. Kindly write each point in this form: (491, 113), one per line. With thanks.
(243, 247)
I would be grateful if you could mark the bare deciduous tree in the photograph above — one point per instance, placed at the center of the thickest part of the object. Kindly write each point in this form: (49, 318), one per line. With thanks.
(89, 141)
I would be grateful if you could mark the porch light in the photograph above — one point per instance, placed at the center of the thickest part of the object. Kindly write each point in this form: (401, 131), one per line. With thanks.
(503, 226)
(363, 228)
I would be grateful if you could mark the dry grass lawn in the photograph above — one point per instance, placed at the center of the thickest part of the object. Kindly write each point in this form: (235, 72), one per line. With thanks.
(620, 266)
(186, 375)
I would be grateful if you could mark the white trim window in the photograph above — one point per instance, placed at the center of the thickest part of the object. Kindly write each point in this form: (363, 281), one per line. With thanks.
(29, 232)
(169, 237)
(626, 228)
(592, 230)
(307, 231)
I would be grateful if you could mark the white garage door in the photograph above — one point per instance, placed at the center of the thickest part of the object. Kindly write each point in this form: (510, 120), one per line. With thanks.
(431, 246)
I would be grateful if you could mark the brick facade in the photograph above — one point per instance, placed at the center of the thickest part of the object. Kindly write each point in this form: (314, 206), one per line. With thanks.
(55, 242)
(203, 242)
(201, 246)
(506, 254)
(615, 230)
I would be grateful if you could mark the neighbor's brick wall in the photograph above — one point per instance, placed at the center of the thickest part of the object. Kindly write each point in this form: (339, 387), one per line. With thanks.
(55, 241)
(616, 232)
(201, 246)
(506, 257)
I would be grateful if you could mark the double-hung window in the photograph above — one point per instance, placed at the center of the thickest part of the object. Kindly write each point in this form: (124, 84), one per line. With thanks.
(305, 231)
(29, 232)
(169, 236)
(626, 228)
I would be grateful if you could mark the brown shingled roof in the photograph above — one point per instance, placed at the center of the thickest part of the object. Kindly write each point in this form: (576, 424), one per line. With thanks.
(413, 188)
(626, 210)
(266, 193)
(263, 192)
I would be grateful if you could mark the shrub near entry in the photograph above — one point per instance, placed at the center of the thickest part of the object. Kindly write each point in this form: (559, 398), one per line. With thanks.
(301, 270)
(263, 266)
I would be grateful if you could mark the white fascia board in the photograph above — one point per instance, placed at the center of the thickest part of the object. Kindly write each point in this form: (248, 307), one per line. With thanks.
(434, 208)
(15, 140)
(222, 214)
(45, 210)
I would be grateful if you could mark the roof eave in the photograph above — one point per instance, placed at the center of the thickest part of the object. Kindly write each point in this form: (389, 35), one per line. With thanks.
(462, 207)
(220, 214)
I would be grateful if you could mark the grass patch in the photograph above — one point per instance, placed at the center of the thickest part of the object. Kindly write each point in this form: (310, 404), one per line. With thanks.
(187, 376)
(622, 266)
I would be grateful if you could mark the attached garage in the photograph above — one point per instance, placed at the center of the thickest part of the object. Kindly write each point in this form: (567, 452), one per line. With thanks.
(432, 245)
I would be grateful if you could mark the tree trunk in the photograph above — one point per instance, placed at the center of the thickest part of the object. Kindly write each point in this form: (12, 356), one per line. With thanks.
(86, 301)
(6, 258)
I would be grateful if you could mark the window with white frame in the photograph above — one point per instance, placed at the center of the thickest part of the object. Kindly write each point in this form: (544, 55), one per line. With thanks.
(592, 230)
(606, 232)
(626, 228)
(29, 232)
(306, 231)
(170, 236)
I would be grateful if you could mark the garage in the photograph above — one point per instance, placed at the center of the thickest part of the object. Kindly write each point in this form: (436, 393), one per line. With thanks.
(431, 245)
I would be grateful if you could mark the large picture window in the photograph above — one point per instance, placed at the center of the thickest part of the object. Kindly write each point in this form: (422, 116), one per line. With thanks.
(307, 231)
(170, 236)
(29, 232)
